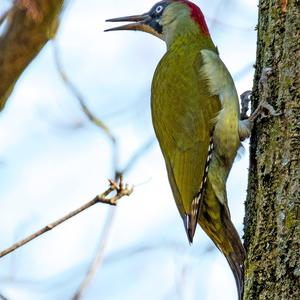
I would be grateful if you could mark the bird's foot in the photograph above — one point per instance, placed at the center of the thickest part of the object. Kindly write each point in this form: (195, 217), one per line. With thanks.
(263, 110)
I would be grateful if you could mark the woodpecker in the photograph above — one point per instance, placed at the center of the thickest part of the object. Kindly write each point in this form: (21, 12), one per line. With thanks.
(196, 118)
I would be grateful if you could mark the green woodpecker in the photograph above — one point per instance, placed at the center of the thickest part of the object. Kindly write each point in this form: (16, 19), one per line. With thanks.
(195, 113)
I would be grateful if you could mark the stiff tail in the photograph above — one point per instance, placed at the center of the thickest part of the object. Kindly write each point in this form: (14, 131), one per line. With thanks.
(237, 269)
(226, 238)
(235, 257)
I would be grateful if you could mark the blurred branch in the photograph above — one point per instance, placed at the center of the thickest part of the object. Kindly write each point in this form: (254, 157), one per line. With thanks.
(215, 22)
(75, 91)
(3, 297)
(30, 25)
(89, 114)
(216, 14)
(98, 258)
(96, 261)
(121, 191)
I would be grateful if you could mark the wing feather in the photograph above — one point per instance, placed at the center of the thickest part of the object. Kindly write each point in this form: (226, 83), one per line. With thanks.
(183, 111)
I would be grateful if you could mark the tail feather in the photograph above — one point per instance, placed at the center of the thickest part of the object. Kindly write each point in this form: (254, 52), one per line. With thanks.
(236, 257)
(237, 269)
(226, 238)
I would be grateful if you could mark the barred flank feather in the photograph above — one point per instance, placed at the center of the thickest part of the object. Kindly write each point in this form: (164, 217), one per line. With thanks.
(192, 219)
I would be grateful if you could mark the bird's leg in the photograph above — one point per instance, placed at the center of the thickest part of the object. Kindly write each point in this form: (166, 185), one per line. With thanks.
(246, 123)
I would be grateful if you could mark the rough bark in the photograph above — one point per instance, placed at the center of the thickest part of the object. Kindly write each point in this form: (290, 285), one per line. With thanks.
(272, 228)
(30, 25)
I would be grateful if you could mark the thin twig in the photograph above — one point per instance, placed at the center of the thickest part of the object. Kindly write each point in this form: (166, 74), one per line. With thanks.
(99, 257)
(121, 191)
(75, 91)
(96, 262)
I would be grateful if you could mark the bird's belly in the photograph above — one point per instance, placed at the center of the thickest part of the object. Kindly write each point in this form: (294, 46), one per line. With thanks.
(226, 137)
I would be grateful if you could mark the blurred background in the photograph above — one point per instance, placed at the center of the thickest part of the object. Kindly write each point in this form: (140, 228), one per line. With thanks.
(53, 159)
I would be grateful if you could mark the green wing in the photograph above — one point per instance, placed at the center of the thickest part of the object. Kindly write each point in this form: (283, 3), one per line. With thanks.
(183, 114)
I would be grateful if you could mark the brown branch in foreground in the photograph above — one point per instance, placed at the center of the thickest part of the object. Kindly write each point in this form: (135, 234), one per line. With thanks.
(121, 191)
(23, 39)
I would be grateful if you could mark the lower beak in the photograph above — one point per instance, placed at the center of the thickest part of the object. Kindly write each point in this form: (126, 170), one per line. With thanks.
(139, 22)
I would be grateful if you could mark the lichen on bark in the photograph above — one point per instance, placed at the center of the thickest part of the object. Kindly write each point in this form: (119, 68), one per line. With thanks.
(272, 228)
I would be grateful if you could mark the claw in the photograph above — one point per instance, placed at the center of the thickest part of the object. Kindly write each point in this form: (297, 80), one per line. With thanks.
(263, 110)
(245, 100)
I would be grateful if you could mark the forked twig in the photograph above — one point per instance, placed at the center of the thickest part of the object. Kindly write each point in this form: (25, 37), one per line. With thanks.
(98, 258)
(120, 190)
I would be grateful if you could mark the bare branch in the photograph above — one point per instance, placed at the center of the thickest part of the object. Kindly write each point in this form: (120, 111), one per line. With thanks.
(98, 259)
(91, 116)
(121, 191)
(77, 94)
(96, 262)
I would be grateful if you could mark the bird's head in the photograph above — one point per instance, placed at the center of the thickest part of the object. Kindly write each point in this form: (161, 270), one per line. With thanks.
(166, 20)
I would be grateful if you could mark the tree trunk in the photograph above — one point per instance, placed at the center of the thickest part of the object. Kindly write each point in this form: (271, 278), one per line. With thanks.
(272, 228)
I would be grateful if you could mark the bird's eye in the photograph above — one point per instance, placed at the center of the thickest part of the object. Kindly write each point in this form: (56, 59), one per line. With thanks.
(159, 9)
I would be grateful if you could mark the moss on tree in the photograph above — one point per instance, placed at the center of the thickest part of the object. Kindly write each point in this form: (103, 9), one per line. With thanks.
(272, 227)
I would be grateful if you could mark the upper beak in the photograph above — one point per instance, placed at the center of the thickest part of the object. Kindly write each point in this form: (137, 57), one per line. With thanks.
(140, 22)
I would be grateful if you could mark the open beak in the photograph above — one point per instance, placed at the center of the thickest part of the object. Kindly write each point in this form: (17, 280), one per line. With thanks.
(142, 22)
